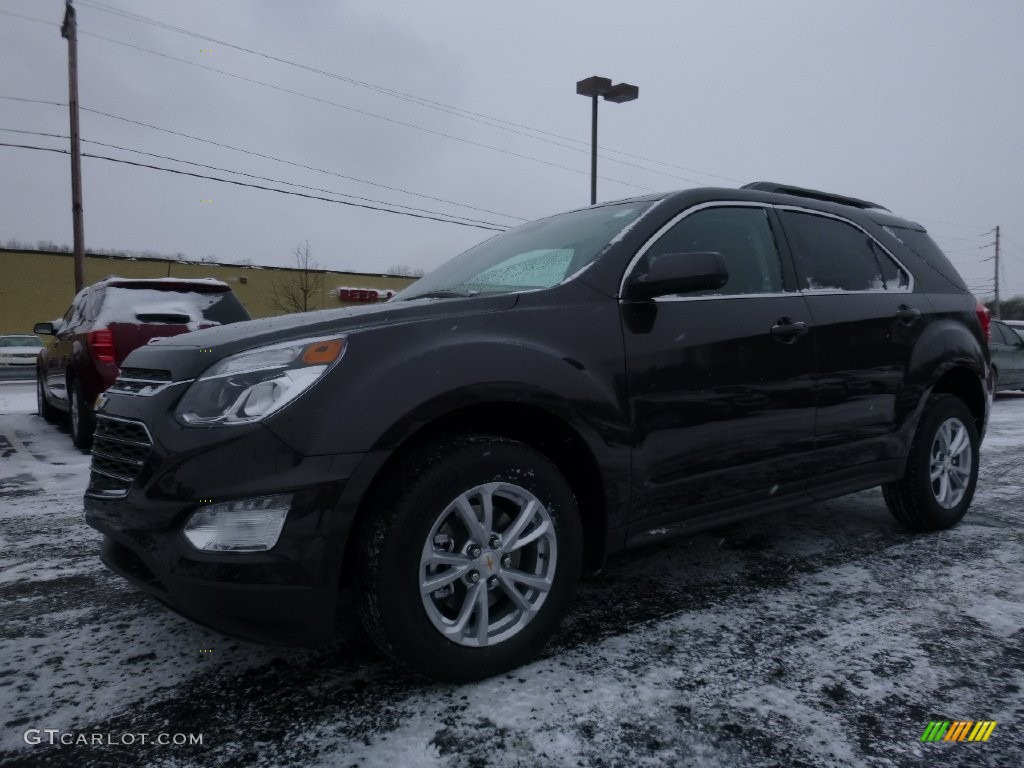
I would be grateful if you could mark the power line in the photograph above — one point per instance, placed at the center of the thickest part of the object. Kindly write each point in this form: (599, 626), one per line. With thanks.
(29, 18)
(270, 157)
(961, 239)
(363, 112)
(478, 117)
(249, 175)
(398, 94)
(35, 101)
(356, 110)
(955, 224)
(253, 186)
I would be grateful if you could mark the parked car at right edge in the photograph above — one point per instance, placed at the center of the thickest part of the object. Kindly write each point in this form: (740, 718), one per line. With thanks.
(595, 380)
(1007, 348)
(1016, 325)
(104, 323)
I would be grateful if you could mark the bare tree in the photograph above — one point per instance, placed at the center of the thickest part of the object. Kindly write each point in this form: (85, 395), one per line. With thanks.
(300, 289)
(405, 270)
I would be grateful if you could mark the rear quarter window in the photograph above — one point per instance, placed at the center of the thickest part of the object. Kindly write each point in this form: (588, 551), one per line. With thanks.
(920, 244)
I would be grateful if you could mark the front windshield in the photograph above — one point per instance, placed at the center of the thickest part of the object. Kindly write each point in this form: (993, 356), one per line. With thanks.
(540, 254)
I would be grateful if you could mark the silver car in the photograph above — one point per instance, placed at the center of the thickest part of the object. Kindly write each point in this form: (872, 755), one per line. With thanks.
(1007, 349)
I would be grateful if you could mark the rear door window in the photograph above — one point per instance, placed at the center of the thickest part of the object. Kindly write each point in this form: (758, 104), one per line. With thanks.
(833, 255)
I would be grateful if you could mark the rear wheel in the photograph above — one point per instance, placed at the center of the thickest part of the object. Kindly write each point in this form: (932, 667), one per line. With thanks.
(470, 558)
(942, 468)
(43, 407)
(81, 419)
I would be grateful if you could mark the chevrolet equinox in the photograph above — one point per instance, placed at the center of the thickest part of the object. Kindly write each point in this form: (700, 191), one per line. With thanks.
(458, 455)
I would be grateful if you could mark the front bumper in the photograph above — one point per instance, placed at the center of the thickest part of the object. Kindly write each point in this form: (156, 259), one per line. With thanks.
(286, 595)
(280, 614)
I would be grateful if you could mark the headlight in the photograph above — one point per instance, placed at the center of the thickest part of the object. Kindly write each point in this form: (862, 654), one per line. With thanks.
(253, 384)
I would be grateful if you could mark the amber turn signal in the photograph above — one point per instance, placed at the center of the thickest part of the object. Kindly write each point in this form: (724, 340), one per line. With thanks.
(323, 352)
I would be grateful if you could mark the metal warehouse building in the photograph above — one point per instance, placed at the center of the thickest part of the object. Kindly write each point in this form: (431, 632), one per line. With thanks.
(36, 286)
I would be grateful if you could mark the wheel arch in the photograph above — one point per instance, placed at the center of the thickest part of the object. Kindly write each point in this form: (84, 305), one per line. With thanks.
(530, 424)
(963, 382)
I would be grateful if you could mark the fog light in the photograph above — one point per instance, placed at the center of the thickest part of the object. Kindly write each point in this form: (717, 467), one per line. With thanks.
(246, 525)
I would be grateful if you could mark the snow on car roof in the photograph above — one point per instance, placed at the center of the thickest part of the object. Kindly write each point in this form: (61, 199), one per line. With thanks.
(186, 281)
(133, 304)
(114, 280)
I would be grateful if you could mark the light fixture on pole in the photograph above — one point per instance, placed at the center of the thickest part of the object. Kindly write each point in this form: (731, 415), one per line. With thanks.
(601, 86)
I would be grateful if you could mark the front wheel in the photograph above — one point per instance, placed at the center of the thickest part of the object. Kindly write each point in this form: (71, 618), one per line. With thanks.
(942, 468)
(470, 558)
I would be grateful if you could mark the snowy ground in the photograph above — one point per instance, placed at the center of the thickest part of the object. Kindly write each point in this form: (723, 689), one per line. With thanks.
(822, 636)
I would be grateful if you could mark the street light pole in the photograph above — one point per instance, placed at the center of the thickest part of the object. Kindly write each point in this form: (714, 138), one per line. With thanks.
(601, 86)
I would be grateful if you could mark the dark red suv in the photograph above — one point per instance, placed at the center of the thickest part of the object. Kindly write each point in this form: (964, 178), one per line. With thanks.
(104, 323)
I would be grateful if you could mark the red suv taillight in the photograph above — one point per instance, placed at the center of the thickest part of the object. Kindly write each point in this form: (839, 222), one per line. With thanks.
(101, 344)
(985, 318)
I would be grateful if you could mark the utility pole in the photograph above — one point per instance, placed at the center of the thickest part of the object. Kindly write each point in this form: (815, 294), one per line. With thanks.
(997, 272)
(593, 149)
(69, 31)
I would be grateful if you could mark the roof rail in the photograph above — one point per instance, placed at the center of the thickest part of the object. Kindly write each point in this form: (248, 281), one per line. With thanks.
(814, 194)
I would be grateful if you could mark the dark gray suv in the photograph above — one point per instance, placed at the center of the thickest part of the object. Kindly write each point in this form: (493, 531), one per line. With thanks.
(600, 379)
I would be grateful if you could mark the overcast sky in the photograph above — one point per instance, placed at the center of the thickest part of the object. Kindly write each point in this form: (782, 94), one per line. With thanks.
(913, 104)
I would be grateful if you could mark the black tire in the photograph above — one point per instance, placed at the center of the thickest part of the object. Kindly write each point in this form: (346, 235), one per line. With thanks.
(406, 514)
(43, 407)
(81, 420)
(915, 499)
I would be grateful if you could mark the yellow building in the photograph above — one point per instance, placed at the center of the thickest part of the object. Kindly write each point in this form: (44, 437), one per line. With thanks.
(36, 286)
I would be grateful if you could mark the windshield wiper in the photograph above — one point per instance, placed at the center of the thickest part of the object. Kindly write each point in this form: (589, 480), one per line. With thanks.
(445, 294)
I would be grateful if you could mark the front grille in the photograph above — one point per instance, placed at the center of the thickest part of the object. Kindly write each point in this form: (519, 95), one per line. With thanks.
(119, 450)
(152, 374)
(141, 381)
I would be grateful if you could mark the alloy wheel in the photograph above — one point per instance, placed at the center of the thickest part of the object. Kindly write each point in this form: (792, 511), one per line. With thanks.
(488, 564)
(951, 463)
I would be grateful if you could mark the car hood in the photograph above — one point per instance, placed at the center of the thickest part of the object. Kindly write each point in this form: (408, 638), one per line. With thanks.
(190, 353)
(20, 350)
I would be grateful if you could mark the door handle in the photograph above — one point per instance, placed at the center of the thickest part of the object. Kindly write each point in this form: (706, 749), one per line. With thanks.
(787, 331)
(907, 315)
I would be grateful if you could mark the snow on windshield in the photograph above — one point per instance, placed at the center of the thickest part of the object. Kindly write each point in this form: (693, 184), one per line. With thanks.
(531, 270)
(124, 305)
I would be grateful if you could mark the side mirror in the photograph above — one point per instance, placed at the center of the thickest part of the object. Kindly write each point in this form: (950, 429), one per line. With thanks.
(43, 329)
(679, 273)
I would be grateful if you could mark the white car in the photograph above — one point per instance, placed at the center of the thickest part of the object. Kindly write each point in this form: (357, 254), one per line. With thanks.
(19, 350)
(1017, 325)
